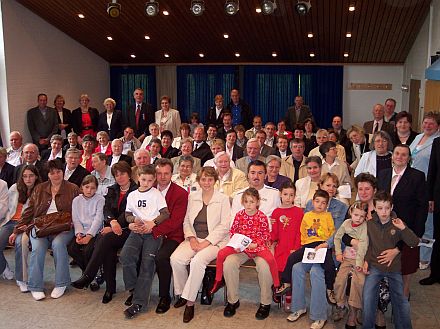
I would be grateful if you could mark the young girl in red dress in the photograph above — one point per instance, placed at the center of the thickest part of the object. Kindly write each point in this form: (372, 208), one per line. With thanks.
(254, 224)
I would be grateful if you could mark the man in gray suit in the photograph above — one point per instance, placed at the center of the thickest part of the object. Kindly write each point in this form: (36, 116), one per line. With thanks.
(42, 123)
(297, 113)
(378, 124)
(253, 147)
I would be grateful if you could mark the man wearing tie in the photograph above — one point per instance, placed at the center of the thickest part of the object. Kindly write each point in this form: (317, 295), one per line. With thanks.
(139, 115)
(378, 124)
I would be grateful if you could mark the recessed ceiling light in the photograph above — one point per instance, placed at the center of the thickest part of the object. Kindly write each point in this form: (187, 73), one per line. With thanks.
(81, 16)
(225, 36)
(133, 56)
(109, 38)
(348, 35)
(345, 54)
(165, 13)
(237, 54)
(274, 54)
(258, 10)
(147, 37)
(310, 35)
(201, 55)
(166, 55)
(351, 8)
(312, 54)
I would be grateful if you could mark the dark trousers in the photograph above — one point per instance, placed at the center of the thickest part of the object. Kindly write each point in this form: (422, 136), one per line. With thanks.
(106, 254)
(81, 253)
(435, 257)
(163, 266)
(297, 256)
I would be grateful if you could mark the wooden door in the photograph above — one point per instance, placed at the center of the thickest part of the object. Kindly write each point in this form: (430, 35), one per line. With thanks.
(414, 103)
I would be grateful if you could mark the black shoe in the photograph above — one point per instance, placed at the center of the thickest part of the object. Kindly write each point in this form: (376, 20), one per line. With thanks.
(180, 302)
(82, 283)
(188, 315)
(94, 286)
(206, 297)
(230, 309)
(347, 326)
(99, 278)
(164, 305)
(108, 296)
(379, 327)
(128, 300)
(262, 312)
(131, 312)
(428, 281)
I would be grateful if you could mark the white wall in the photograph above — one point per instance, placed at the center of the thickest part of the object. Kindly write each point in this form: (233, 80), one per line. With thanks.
(41, 58)
(358, 104)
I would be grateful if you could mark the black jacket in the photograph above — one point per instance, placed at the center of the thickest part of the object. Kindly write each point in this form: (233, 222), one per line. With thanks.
(7, 174)
(147, 117)
(111, 208)
(116, 129)
(123, 157)
(77, 120)
(203, 152)
(212, 119)
(78, 175)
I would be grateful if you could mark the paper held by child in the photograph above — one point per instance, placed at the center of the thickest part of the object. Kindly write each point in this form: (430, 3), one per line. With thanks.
(344, 191)
(239, 241)
(425, 242)
(313, 256)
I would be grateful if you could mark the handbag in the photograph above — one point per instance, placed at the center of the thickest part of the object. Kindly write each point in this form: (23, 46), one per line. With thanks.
(52, 224)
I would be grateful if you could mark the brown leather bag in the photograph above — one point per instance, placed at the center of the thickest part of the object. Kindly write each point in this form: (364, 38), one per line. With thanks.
(53, 223)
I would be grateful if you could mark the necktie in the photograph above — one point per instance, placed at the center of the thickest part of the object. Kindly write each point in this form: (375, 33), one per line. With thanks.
(394, 182)
(376, 127)
(138, 116)
(196, 145)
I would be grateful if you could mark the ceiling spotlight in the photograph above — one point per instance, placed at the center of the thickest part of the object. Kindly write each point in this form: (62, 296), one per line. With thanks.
(268, 6)
(201, 55)
(237, 54)
(310, 35)
(226, 36)
(312, 55)
(197, 7)
(303, 7)
(165, 13)
(345, 54)
(258, 10)
(109, 38)
(274, 54)
(232, 7)
(81, 16)
(348, 35)
(151, 8)
(114, 9)
(147, 37)
(166, 55)
(133, 56)
(351, 8)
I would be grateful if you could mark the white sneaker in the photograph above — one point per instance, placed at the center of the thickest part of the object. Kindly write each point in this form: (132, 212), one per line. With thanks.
(7, 273)
(318, 324)
(38, 295)
(23, 286)
(57, 292)
(296, 315)
(423, 265)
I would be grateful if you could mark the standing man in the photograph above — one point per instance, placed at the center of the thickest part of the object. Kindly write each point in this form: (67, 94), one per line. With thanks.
(139, 115)
(297, 113)
(215, 113)
(14, 151)
(227, 126)
(270, 199)
(42, 122)
(390, 113)
(378, 123)
(241, 111)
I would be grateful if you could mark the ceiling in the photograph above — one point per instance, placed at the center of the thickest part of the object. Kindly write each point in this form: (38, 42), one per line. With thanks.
(382, 31)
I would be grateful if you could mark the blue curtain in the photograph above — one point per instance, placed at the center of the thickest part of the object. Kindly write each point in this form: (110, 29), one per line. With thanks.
(198, 85)
(125, 79)
(270, 90)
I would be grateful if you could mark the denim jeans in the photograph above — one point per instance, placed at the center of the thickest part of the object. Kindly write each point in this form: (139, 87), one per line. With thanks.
(401, 310)
(59, 244)
(425, 253)
(318, 299)
(5, 232)
(143, 246)
(21, 257)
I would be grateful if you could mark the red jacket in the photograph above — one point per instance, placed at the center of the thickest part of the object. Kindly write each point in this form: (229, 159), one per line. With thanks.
(177, 202)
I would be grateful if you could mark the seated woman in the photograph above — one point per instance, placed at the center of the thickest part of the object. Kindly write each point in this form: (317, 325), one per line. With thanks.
(184, 134)
(217, 145)
(104, 145)
(359, 145)
(404, 133)
(112, 237)
(167, 151)
(185, 178)
(155, 147)
(102, 172)
(186, 148)
(19, 195)
(55, 195)
(88, 147)
(307, 186)
(273, 177)
(205, 227)
(88, 218)
(153, 129)
(56, 149)
(230, 179)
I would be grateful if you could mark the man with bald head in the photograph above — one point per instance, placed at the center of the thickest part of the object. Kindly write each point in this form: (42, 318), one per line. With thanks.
(378, 123)
(14, 151)
(117, 147)
(30, 155)
(141, 158)
(201, 149)
(253, 148)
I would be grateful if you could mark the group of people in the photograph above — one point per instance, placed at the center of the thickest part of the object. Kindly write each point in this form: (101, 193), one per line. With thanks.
(173, 197)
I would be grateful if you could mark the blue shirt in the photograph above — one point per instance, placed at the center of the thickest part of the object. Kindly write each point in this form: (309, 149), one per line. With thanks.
(236, 114)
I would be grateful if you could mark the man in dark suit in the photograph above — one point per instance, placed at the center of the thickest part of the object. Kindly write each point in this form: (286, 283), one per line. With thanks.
(265, 150)
(226, 127)
(30, 155)
(139, 115)
(6, 169)
(434, 205)
(201, 150)
(233, 150)
(282, 150)
(73, 172)
(410, 203)
(42, 122)
(215, 113)
(117, 155)
(64, 118)
(297, 113)
(241, 111)
(370, 127)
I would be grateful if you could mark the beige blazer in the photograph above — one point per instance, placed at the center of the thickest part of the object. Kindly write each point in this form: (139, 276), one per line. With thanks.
(302, 191)
(288, 169)
(242, 163)
(172, 121)
(235, 182)
(218, 213)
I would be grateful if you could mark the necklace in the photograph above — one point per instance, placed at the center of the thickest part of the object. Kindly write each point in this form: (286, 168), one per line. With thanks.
(125, 189)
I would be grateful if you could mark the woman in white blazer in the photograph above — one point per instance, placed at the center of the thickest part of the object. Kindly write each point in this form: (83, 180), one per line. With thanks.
(307, 186)
(166, 118)
(205, 227)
